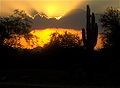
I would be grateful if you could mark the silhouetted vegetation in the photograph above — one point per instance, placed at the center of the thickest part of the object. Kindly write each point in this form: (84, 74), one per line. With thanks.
(66, 40)
(91, 33)
(110, 20)
(17, 40)
(64, 51)
(17, 23)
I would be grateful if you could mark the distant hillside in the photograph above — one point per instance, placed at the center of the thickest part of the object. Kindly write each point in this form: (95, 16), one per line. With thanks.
(76, 19)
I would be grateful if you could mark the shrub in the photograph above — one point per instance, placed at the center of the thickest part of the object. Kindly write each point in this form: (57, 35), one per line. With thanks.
(66, 40)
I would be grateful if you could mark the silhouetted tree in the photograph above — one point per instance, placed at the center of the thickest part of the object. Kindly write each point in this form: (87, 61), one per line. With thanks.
(66, 40)
(91, 33)
(110, 20)
(15, 41)
(17, 23)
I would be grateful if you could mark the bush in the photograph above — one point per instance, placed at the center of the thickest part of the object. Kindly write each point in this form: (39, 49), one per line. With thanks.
(110, 20)
(66, 40)
(18, 23)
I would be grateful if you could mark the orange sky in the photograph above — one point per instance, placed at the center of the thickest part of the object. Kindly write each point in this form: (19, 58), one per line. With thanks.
(52, 8)
(55, 8)
(43, 37)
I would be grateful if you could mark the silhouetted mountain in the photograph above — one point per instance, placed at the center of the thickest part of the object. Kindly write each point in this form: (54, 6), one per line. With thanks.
(41, 22)
(76, 19)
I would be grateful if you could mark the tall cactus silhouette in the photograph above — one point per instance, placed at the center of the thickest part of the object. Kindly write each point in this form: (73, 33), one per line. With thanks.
(91, 33)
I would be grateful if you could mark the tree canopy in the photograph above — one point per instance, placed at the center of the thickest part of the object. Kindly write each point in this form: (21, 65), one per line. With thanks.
(18, 23)
(110, 20)
(66, 40)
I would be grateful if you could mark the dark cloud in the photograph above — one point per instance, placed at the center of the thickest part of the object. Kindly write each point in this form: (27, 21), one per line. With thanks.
(73, 20)
(76, 19)
(43, 22)
(33, 12)
(99, 6)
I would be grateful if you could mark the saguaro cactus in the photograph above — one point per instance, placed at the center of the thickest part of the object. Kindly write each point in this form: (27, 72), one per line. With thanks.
(91, 33)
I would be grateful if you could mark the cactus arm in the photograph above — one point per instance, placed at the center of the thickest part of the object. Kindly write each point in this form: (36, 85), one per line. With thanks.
(83, 37)
(96, 33)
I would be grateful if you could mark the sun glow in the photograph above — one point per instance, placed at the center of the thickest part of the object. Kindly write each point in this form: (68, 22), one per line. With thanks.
(42, 37)
(52, 8)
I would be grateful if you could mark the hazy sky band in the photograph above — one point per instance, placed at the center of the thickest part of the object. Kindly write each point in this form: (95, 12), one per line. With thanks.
(56, 7)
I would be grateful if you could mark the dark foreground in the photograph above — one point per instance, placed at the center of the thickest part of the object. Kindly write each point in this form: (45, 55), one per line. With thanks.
(55, 78)
(66, 68)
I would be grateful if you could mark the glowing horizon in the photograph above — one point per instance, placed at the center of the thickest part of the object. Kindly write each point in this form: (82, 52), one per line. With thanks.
(43, 37)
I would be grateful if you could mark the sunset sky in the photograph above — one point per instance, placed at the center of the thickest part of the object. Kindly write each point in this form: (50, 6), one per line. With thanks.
(73, 13)
(55, 8)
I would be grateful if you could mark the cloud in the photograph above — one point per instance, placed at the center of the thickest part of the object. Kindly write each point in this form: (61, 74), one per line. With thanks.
(75, 19)
(52, 8)
(99, 6)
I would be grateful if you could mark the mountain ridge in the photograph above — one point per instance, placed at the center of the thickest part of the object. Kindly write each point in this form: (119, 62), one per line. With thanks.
(76, 19)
